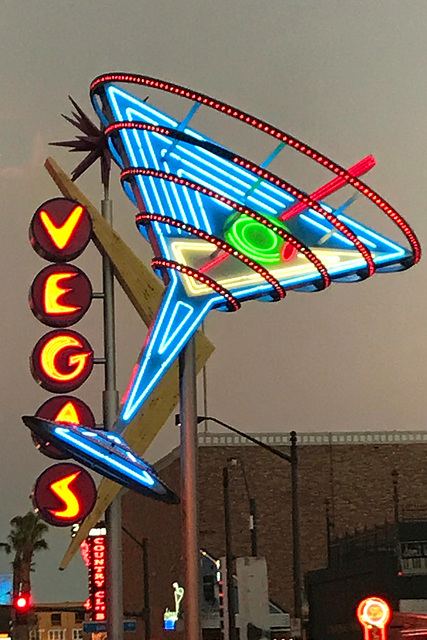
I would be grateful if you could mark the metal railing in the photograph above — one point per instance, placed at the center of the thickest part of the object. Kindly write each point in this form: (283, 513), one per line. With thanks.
(216, 439)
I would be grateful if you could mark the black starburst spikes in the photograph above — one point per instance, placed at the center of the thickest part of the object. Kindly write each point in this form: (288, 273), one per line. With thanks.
(93, 142)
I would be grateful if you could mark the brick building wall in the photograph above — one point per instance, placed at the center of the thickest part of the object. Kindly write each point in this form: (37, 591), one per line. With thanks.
(352, 471)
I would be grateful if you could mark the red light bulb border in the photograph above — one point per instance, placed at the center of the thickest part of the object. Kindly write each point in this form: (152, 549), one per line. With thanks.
(288, 237)
(278, 134)
(144, 218)
(264, 174)
(232, 303)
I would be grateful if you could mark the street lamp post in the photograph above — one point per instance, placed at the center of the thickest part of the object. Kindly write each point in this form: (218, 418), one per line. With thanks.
(252, 509)
(292, 459)
(296, 555)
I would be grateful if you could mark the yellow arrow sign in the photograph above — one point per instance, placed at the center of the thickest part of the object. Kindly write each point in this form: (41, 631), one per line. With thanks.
(144, 291)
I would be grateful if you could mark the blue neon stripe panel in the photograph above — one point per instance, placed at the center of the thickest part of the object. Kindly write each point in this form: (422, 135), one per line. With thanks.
(187, 300)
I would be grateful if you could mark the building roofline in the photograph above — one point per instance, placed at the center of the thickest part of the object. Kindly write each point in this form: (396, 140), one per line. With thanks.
(310, 438)
(215, 439)
(170, 457)
(68, 605)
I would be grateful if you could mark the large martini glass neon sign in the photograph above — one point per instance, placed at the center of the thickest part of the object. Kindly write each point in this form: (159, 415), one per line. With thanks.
(224, 229)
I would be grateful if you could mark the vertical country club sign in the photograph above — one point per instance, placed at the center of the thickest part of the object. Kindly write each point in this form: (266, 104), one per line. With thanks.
(94, 554)
(97, 577)
(62, 359)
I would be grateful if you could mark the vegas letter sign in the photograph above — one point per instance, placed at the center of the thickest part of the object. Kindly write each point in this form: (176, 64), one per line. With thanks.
(64, 494)
(60, 295)
(63, 359)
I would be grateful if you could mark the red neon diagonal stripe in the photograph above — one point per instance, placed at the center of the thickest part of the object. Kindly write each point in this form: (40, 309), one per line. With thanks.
(296, 144)
(214, 262)
(357, 170)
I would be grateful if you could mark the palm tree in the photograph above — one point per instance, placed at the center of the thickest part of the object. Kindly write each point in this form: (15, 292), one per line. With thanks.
(26, 538)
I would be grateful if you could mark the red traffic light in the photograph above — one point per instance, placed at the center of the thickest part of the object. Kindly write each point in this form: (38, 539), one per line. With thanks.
(22, 603)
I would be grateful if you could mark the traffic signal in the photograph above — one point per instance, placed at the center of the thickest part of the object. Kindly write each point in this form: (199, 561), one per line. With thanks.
(223, 598)
(22, 605)
(209, 582)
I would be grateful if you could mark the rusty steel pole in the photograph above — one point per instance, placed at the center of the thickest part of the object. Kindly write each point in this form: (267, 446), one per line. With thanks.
(189, 501)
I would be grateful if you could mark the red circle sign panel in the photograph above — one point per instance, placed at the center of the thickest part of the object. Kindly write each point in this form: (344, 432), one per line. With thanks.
(64, 494)
(61, 360)
(60, 229)
(374, 612)
(65, 409)
(60, 295)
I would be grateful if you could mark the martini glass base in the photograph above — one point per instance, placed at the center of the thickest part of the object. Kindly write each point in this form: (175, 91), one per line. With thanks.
(103, 452)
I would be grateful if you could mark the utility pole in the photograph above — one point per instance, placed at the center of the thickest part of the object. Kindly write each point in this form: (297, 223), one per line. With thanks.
(147, 609)
(328, 528)
(229, 557)
(146, 581)
(295, 529)
(395, 478)
(252, 514)
(252, 508)
(253, 527)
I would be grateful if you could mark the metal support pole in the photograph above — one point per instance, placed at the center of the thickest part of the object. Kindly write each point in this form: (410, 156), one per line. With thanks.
(229, 557)
(253, 527)
(205, 388)
(295, 529)
(328, 529)
(146, 581)
(110, 407)
(147, 609)
(395, 478)
(190, 524)
(252, 511)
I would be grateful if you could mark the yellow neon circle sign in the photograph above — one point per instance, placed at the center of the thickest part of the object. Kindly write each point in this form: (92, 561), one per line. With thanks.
(53, 349)
(62, 489)
(61, 361)
(54, 291)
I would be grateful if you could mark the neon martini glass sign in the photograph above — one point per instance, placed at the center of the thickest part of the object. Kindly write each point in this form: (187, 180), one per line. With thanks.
(224, 229)
(170, 618)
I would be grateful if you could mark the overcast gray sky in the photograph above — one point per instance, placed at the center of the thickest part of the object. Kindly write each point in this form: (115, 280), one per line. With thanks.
(346, 76)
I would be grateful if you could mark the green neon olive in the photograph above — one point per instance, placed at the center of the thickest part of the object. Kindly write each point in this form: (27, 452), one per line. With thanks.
(255, 240)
